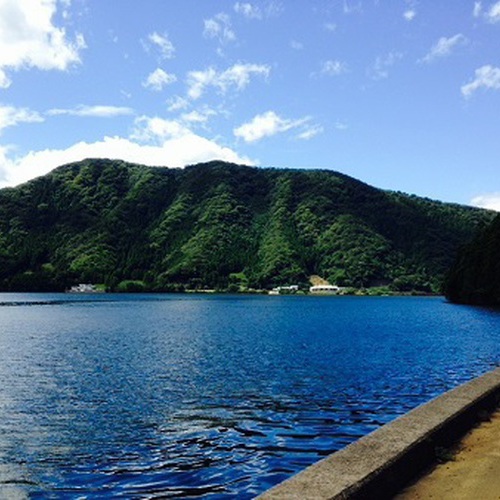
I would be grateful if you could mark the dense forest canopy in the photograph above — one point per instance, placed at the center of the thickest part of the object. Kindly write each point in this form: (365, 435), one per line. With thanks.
(222, 226)
(475, 275)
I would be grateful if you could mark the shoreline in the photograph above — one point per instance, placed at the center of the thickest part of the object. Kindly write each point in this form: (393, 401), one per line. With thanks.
(357, 293)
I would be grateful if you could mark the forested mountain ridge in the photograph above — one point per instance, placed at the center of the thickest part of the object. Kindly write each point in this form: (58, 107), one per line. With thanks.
(475, 275)
(224, 226)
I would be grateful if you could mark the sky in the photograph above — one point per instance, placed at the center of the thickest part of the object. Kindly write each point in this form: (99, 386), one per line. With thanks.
(401, 94)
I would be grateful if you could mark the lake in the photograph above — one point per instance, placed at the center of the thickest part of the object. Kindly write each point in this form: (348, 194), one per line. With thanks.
(213, 396)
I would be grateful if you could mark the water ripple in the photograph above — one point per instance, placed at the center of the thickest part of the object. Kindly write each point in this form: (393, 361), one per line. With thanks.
(213, 397)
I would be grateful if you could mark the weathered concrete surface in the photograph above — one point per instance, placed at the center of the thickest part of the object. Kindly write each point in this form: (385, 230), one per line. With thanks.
(381, 463)
(473, 473)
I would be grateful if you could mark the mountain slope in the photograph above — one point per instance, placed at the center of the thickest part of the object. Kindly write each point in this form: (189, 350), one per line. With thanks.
(220, 225)
(475, 275)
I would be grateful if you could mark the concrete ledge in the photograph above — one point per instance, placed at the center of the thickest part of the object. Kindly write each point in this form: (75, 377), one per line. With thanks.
(381, 463)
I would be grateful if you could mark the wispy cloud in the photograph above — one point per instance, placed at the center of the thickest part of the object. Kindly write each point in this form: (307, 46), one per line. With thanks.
(444, 47)
(198, 116)
(158, 79)
(237, 76)
(270, 123)
(250, 11)
(379, 70)
(99, 111)
(352, 7)
(296, 45)
(478, 8)
(11, 116)
(30, 39)
(341, 126)
(491, 14)
(220, 28)
(409, 14)
(487, 77)
(260, 10)
(163, 44)
(333, 67)
(177, 103)
(490, 201)
(310, 131)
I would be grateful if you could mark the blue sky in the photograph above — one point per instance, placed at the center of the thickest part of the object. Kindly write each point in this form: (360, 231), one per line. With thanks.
(401, 94)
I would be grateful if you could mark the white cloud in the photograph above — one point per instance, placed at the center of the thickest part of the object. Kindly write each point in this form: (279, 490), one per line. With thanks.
(163, 43)
(177, 103)
(199, 80)
(380, 68)
(237, 76)
(341, 126)
(273, 8)
(490, 14)
(265, 9)
(171, 145)
(477, 9)
(99, 111)
(485, 76)
(198, 116)
(444, 46)
(266, 125)
(158, 79)
(410, 11)
(248, 10)
(310, 132)
(155, 130)
(29, 39)
(350, 7)
(5, 81)
(333, 68)
(296, 45)
(11, 116)
(219, 27)
(331, 27)
(490, 201)
(493, 13)
(410, 14)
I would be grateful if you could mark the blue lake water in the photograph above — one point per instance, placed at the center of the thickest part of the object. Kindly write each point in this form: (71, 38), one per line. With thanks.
(144, 396)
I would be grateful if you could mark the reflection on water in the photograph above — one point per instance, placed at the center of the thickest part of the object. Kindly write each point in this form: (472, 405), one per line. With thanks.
(213, 396)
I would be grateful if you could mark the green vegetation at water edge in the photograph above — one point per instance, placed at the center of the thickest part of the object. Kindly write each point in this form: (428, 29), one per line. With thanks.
(224, 227)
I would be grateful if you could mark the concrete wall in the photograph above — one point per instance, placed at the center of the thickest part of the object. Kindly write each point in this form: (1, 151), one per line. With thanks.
(381, 463)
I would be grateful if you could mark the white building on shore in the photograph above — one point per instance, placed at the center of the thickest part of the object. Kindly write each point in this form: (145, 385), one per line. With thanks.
(331, 289)
(284, 289)
(83, 288)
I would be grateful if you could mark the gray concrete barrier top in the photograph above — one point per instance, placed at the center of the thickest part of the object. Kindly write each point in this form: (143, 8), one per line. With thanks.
(381, 463)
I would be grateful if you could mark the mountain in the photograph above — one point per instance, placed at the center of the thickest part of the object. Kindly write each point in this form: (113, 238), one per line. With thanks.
(475, 275)
(224, 226)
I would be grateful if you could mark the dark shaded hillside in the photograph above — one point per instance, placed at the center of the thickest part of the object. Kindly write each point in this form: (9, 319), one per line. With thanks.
(475, 276)
(219, 225)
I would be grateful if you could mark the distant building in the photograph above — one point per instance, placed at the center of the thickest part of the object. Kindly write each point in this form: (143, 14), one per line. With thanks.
(83, 288)
(333, 289)
(284, 289)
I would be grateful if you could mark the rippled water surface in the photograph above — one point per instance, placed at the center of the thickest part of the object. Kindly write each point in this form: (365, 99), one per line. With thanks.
(145, 396)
